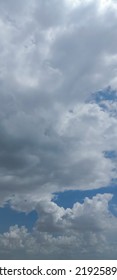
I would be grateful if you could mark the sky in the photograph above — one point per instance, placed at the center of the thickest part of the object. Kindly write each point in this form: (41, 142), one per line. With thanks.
(58, 129)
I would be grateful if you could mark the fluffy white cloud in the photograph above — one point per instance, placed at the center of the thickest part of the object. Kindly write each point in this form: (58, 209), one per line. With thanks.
(17, 243)
(87, 231)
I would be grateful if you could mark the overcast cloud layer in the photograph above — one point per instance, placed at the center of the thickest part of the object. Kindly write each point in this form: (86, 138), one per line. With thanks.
(54, 134)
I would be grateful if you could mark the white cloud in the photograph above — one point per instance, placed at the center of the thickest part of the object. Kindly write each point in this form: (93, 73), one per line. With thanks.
(16, 243)
(87, 231)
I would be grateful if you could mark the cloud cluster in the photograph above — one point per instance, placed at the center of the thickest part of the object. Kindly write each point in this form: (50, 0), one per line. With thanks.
(42, 158)
(87, 231)
(53, 137)
(53, 56)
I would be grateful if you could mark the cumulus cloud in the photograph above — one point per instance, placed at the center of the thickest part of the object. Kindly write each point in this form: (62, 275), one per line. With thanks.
(17, 243)
(54, 134)
(87, 230)
(51, 62)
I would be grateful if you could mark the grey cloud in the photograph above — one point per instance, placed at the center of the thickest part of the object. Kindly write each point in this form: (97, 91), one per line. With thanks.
(51, 61)
(34, 151)
(53, 57)
(45, 15)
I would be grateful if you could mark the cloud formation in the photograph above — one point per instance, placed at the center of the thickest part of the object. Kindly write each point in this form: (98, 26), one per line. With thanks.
(87, 231)
(54, 135)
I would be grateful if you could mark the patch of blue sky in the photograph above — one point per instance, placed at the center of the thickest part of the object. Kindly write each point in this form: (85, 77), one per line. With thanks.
(107, 94)
(110, 154)
(68, 198)
(10, 217)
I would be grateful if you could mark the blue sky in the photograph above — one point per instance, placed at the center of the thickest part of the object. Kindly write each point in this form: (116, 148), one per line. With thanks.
(65, 199)
(10, 217)
(58, 129)
(68, 198)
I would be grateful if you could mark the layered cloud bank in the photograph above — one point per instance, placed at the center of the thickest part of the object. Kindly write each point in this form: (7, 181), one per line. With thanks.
(58, 121)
